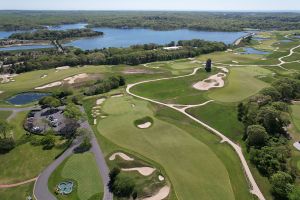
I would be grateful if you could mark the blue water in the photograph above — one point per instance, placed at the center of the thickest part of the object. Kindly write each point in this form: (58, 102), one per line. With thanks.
(126, 37)
(114, 37)
(25, 98)
(67, 27)
(249, 50)
(25, 47)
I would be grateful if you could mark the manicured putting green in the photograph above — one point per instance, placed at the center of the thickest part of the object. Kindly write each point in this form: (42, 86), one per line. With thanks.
(193, 168)
(241, 83)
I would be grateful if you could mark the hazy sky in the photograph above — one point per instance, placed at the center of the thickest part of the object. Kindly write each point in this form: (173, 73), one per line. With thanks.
(150, 4)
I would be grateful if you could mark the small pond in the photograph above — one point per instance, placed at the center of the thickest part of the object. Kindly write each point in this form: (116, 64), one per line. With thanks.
(25, 98)
(250, 50)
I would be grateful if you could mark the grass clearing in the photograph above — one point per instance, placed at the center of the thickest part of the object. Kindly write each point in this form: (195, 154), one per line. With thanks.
(4, 114)
(16, 193)
(82, 169)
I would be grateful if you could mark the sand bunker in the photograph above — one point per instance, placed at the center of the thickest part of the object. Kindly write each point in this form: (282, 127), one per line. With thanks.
(214, 81)
(161, 178)
(44, 76)
(117, 95)
(223, 69)
(95, 121)
(145, 125)
(1, 92)
(297, 145)
(122, 155)
(50, 85)
(72, 79)
(100, 101)
(6, 78)
(162, 194)
(145, 171)
(62, 68)
(235, 61)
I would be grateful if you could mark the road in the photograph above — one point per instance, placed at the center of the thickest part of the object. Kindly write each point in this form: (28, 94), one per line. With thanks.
(254, 189)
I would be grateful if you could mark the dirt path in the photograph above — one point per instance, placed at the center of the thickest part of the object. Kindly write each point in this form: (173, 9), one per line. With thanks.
(254, 189)
(17, 184)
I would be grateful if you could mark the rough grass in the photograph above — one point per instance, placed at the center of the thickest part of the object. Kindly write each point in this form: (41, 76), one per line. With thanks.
(222, 117)
(82, 169)
(24, 161)
(241, 83)
(16, 193)
(188, 162)
(296, 116)
(4, 114)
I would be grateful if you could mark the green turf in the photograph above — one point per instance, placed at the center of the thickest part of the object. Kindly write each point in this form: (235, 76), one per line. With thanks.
(181, 155)
(296, 116)
(241, 83)
(24, 161)
(223, 117)
(4, 114)
(82, 169)
(16, 193)
(178, 90)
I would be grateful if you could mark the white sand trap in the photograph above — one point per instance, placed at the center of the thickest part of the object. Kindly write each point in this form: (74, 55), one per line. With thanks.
(214, 81)
(236, 62)
(161, 178)
(103, 116)
(145, 125)
(223, 69)
(95, 121)
(50, 85)
(62, 68)
(1, 92)
(6, 78)
(117, 95)
(100, 101)
(162, 194)
(172, 48)
(72, 79)
(122, 155)
(44, 76)
(145, 171)
(297, 145)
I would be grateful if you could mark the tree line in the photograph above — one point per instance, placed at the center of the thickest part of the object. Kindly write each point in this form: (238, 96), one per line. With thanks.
(134, 55)
(55, 34)
(266, 117)
(158, 20)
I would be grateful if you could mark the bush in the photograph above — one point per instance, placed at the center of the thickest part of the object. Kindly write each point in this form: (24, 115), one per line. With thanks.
(84, 146)
(48, 142)
(281, 185)
(50, 101)
(6, 144)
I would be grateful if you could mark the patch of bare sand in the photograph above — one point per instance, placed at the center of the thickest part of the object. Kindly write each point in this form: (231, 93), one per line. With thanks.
(62, 68)
(161, 194)
(122, 155)
(100, 101)
(72, 79)
(214, 81)
(50, 85)
(117, 95)
(145, 125)
(145, 171)
(6, 78)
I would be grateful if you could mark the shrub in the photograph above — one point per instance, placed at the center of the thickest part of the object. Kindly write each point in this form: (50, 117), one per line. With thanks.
(48, 142)
(84, 146)
(6, 144)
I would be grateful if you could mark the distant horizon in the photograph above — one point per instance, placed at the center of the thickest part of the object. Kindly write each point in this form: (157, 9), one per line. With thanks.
(154, 5)
(116, 10)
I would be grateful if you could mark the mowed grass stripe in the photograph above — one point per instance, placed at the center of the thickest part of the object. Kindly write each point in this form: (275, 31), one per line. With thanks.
(83, 169)
(194, 170)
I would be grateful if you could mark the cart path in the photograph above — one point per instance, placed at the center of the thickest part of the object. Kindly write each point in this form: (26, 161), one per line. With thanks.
(17, 184)
(254, 189)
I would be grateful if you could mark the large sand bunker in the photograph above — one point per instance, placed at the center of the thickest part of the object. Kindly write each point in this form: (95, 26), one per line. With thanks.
(100, 101)
(72, 79)
(122, 155)
(145, 125)
(6, 78)
(62, 68)
(50, 85)
(145, 171)
(162, 194)
(214, 81)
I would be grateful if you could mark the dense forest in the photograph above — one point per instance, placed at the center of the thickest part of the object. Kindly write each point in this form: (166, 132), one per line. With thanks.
(55, 35)
(211, 21)
(25, 61)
